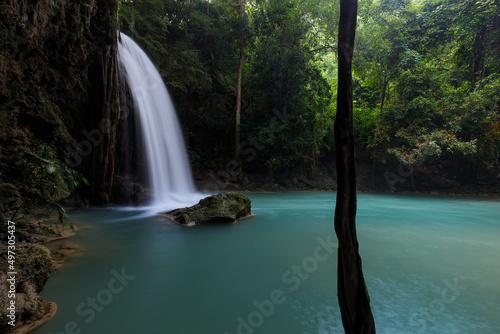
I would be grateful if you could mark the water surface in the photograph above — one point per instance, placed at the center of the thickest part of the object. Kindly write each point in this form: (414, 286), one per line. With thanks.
(431, 266)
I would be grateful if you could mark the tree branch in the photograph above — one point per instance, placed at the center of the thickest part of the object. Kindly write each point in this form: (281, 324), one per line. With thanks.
(333, 48)
(236, 7)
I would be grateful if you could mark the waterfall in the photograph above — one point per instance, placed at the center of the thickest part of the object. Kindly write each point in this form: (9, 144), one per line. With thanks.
(169, 171)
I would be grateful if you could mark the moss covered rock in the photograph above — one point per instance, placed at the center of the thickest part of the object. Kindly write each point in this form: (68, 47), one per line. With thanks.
(33, 267)
(225, 208)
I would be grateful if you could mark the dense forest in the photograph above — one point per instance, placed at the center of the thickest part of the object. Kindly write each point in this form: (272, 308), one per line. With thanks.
(426, 86)
(255, 86)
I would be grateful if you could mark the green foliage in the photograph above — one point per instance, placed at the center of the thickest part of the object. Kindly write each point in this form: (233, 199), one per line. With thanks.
(426, 75)
(49, 178)
(427, 147)
(478, 36)
(428, 67)
(285, 77)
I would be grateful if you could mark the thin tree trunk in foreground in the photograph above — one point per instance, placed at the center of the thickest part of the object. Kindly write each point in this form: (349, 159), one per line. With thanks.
(353, 296)
(241, 13)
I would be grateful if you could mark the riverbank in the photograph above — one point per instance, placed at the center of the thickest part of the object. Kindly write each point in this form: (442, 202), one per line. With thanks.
(371, 178)
(39, 247)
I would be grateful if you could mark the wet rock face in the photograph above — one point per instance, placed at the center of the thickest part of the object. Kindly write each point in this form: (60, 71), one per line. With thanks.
(47, 50)
(128, 192)
(54, 82)
(10, 198)
(223, 208)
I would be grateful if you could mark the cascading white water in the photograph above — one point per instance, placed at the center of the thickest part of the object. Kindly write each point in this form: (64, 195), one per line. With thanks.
(170, 175)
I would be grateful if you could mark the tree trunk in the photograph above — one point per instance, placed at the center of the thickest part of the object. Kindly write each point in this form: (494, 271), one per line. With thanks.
(382, 95)
(283, 72)
(353, 296)
(479, 53)
(241, 13)
(132, 19)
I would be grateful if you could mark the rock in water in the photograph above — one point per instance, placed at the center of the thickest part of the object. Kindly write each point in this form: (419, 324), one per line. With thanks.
(223, 208)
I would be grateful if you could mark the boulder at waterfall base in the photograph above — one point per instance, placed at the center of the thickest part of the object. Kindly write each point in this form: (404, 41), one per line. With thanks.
(223, 208)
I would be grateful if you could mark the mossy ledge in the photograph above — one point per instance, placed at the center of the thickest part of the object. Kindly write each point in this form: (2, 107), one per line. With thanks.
(38, 240)
(224, 208)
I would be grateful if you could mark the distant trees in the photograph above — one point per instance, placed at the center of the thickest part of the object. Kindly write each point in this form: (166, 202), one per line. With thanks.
(427, 62)
(258, 63)
(240, 9)
(426, 76)
(284, 76)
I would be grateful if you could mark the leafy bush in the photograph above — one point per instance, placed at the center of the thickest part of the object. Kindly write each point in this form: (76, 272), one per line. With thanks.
(50, 179)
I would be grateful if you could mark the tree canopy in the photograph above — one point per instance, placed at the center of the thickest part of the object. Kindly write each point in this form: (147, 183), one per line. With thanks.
(426, 77)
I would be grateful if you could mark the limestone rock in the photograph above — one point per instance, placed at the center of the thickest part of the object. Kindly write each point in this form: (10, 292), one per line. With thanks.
(225, 208)
(33, 268)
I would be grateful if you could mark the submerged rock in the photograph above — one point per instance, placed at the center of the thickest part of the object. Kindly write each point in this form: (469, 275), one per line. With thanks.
(223, 208)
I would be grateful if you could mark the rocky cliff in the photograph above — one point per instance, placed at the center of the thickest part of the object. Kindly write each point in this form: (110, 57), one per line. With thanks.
(58, 104)
(58, 86)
